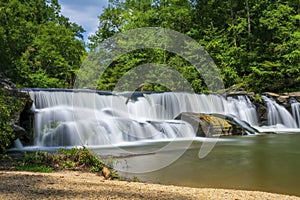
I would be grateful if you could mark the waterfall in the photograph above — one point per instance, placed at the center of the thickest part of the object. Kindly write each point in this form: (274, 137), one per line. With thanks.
(244, 109)
(278, 115)
(169, 105)
(296, 111)
(69, 118)
(81, 118)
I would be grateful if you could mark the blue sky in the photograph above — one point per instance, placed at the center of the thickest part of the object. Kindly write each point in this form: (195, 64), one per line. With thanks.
(84, 13)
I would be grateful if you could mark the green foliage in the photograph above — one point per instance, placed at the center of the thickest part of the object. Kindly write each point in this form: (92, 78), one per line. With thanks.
(34, 168)
(276, 66)
(75, 159)
(258, 99)
(253, 43)
(5, 157)
(135, 179)
(39, 46)
(120, 16)
(35, 162)
(52, 59)
(9, 106)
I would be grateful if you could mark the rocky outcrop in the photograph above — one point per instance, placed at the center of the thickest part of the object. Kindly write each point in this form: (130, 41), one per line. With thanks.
(6, 83)
(215, 125)
(205, 125)
(19, 113)
(285, 99)
(294, 95)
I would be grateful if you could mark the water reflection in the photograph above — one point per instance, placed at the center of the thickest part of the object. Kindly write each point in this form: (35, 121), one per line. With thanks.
(263, 162)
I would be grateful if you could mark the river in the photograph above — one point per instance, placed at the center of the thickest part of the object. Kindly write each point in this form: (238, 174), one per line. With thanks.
(268, 163)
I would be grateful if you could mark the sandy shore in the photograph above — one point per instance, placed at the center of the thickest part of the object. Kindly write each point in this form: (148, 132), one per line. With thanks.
(81, 185)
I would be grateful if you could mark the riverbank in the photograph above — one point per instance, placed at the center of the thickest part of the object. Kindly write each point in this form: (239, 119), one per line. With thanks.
(83, 185)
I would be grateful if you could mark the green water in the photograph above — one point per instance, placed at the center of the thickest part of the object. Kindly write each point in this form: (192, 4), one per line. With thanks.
(266, 163)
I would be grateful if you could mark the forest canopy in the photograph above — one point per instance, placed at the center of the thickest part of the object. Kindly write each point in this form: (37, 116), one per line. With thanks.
(255, 44)
(39, 46)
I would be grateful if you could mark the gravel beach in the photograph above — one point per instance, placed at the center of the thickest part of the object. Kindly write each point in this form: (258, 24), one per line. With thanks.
(82, 185)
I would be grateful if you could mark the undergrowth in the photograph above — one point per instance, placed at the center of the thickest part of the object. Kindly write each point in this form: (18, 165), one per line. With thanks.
(80, 159)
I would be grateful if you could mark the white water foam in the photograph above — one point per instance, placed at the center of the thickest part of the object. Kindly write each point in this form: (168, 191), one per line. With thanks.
(278, 115)
(64, 118)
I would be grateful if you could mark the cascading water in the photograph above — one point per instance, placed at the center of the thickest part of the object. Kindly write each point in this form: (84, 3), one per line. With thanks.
(278, 115)
(244, 109)
(296, 111)
(169, 105)
(67, 118)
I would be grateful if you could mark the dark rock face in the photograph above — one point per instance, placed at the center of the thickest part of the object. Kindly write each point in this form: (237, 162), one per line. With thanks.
(19, 119)
(262, 113)
(6, 83)
(19, 131)
(294, 95)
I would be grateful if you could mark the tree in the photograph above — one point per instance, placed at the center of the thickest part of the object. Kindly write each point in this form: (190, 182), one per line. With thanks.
(278, 52)
(52, 59)
(253, 43)
(126, 15)
(39, 46)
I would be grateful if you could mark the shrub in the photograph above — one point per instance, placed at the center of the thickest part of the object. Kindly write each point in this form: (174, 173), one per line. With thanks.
(75, 159)
(9, 106)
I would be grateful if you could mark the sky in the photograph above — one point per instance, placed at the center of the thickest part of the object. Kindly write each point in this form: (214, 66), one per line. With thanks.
(84, 13)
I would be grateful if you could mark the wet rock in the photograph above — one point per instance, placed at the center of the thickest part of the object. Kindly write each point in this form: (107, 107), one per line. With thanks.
(206, 125)
(19, 131)
(283, 99)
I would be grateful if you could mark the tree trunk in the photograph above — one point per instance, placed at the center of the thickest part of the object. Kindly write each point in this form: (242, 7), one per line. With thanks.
(249, 24)
(248, 18)
(232, 21)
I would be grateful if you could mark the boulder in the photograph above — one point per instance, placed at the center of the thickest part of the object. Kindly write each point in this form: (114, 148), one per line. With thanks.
(6, 83)
(19, 131)
(106, 173)
(206, 125)
(214, 125)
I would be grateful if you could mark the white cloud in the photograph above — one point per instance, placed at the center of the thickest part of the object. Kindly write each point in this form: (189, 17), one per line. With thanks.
(84, 13)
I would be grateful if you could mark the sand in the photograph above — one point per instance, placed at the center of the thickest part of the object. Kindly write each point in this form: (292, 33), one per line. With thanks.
(83, 185)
